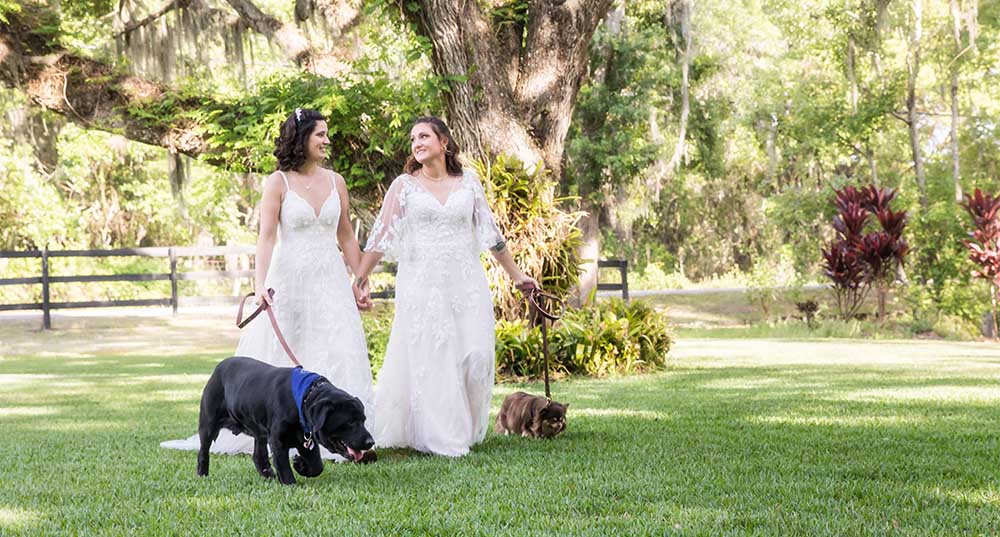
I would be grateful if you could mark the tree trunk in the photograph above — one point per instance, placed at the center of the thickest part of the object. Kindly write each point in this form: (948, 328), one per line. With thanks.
(956, 19)
(590, 225)
(852, 78)
(510, 95)
(681, 10)
(911, 101)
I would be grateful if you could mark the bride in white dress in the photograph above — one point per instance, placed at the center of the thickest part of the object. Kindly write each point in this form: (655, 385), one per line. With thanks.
(434, 389)
(314, 302)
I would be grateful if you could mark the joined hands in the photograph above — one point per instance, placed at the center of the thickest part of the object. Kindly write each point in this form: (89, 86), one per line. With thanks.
(362, 294)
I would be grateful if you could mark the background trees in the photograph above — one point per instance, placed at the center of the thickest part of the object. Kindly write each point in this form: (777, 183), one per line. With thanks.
(702, 137)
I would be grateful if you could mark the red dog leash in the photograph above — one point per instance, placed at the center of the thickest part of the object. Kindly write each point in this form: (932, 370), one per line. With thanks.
(265, 306)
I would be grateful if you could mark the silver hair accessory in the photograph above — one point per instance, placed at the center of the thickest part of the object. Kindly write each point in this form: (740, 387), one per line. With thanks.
(298, 115)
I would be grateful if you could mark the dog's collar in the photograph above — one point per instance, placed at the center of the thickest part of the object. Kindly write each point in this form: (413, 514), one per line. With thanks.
(302, 384)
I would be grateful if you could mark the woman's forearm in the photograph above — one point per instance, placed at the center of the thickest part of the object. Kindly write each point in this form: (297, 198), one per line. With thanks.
(368, 262)
(265, 248)
(352, 254)
(506, 261)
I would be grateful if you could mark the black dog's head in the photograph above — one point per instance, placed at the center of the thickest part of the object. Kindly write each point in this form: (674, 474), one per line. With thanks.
(338, 422)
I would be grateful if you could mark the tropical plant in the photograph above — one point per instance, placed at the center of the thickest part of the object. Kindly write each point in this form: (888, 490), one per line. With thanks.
(983, 245)
(541, 236)
(604, 338)
(859, 260)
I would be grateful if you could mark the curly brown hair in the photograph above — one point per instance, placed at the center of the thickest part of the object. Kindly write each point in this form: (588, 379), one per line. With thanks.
(290, 145)
(451, 150)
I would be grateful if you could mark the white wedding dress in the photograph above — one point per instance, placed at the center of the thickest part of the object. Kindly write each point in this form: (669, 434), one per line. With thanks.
(433, 392)
(315, 309)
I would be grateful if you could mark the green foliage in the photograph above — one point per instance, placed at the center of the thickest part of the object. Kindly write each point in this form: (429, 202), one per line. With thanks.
(767, 276)
(367, 123)
(604, 338)
(8, 7)
(940, 263)
(519, 350)
(377, 325)
(541, 236)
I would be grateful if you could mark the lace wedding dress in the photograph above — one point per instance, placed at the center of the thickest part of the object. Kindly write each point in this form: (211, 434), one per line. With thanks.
(433, 392)
(315, 309)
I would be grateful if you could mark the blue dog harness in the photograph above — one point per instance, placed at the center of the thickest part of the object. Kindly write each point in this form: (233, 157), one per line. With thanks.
(302, 380)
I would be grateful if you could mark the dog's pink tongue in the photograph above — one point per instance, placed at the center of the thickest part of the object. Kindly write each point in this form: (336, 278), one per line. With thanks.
(356, 455)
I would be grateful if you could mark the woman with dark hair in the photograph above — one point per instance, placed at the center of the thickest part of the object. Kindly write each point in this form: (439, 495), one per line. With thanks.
(434, 388)
(306, 207)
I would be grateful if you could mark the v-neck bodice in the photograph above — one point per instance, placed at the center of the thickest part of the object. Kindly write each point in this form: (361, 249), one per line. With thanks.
(301, 225)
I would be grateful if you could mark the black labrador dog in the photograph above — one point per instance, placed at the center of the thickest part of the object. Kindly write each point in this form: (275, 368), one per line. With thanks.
(248, 396)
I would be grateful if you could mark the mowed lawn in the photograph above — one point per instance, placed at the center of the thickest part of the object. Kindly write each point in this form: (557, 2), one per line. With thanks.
(736, 437)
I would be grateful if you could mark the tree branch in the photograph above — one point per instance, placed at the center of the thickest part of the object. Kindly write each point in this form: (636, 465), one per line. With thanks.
(287, 36)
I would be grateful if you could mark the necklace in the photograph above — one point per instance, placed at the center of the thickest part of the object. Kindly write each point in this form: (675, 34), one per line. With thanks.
(307, 185)
(434, 179)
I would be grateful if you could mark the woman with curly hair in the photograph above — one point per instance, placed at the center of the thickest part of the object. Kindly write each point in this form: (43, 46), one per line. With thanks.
(303, 220)
(435, 385)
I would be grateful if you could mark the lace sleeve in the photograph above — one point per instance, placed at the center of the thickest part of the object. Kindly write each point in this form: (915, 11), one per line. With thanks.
(387, 233)
(488, 234)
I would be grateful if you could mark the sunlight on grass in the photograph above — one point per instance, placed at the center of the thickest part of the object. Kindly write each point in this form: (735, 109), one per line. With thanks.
(26, 411)
(194, 394)
(752, 384)
(842, 421)
(978, 496)
(24, 379)
(618, 413)
(65, 354)
(928, 393)
(15, 518)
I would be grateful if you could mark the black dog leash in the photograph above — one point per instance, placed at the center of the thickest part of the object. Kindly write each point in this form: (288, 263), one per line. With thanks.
(538, 299)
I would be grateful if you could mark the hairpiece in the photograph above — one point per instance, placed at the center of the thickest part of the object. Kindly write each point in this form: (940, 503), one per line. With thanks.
(298, 115)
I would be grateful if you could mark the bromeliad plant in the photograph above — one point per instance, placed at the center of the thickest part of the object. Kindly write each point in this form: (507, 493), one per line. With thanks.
(542, 236)
(858, 260)
(983, 246)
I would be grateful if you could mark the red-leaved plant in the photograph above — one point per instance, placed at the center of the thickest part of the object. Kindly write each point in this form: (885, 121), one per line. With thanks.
(857, 261)
(983, 247)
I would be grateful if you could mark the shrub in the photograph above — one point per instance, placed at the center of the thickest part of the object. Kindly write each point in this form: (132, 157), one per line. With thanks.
(858, 261)
(608, 337)
(542, 238)
(984, 245)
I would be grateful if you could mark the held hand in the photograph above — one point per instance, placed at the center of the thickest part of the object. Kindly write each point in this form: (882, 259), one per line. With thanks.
(526, 283)
(363, 284)
(261, 296)
(362, 297)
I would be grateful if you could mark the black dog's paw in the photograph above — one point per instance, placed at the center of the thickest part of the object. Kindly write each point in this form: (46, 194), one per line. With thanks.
(300, 465)
(266, 473)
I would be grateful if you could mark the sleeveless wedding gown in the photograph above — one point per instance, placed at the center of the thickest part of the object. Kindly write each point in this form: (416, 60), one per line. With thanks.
(434, 389)
(315, 309)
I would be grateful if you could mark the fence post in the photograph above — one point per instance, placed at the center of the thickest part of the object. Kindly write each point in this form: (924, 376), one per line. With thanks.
(173, 279)
(46, 317)
(623, 268)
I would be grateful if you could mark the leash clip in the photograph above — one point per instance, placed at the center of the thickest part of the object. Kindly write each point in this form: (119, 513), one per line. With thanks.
(308, 444)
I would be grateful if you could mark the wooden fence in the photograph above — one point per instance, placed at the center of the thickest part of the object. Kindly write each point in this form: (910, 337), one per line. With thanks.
(174, 254)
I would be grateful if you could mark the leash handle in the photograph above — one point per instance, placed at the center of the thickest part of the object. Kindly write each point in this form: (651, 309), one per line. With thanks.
(240, 322)
(535, 295)
(264, 306)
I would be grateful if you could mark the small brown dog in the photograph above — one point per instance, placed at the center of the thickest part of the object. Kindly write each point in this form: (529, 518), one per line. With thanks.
(531, 415)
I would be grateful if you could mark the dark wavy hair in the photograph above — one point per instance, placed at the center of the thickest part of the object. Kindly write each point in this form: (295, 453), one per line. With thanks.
(290, 145)
(451, 150)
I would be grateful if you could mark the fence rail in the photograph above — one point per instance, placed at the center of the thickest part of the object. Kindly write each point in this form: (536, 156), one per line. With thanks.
(174, 253)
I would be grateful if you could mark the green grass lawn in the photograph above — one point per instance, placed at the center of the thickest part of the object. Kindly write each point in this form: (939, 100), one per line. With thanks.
(826, 437)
